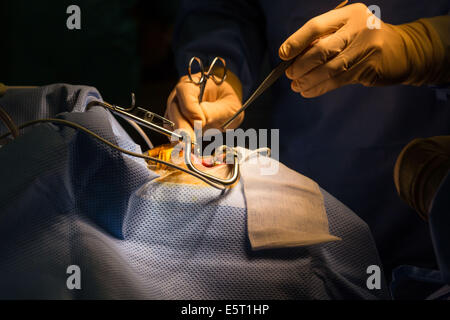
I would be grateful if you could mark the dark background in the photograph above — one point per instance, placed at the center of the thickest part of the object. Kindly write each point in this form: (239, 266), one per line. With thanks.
(123, 46)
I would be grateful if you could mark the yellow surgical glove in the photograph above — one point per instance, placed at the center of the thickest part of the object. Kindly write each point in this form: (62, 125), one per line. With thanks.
(340, 48)
(218, 104)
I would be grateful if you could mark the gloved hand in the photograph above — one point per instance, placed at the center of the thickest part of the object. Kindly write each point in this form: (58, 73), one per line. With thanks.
(218, 104)
(338, 48)
(419, 171)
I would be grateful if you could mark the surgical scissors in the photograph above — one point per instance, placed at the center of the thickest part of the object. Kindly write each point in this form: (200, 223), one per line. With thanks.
(204, 76)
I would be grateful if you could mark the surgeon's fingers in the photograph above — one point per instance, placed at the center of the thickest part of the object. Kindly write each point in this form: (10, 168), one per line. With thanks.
(348, 74)
(219, 103)
(174, 114)
(328, 85)
(321, 52)
(187, 94)
(348, 60)
(168, 114)
(227, 103)
(315, 28)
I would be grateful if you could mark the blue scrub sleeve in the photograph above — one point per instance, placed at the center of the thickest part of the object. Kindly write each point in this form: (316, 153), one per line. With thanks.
(233, 30)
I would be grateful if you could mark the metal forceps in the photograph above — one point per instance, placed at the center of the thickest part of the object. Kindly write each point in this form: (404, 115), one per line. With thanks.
(147, 121)
(204, 76)
(268, 81)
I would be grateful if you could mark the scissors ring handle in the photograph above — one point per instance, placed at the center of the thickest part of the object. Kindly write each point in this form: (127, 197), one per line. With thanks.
(218, 80)
(202, 70)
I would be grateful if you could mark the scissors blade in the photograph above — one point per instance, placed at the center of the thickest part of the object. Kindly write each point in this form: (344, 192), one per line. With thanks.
(266, 84)
(202, 90)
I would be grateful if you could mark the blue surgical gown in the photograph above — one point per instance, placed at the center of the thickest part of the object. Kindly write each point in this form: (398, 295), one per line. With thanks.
(66, 199)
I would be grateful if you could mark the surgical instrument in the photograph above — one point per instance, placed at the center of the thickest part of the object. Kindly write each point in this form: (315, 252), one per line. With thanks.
(4, 88)
(204, 76)
(183, 137)
(145, 121)
(268, 81)
(9, 123)
(216, 182)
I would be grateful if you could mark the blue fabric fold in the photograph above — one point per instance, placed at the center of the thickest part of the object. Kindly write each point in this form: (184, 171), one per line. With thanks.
(67, 199)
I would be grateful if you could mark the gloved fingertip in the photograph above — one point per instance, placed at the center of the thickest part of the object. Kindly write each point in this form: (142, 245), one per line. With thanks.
(284, 51)
(294, 86)
(304, 94)
(310, 93)
(288, 73)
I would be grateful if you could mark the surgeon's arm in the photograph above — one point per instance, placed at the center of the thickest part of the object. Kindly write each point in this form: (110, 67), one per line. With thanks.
(350, 45)
(420, 170)
(231, 29)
